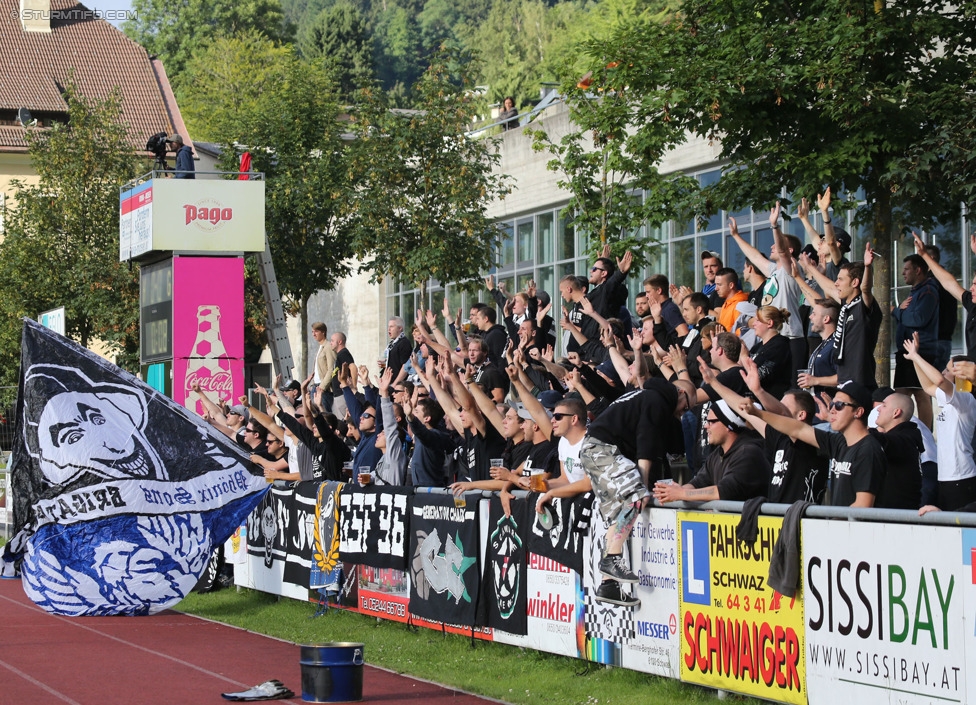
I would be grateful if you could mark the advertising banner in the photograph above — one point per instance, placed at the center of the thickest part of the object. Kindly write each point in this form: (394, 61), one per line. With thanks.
(737, 633)
(655, 647)
(191, 216)
(208, 329)
(374, 525)
(885, 612)
(607, 627)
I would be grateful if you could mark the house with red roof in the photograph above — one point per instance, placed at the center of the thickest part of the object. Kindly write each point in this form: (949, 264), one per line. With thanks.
(42, 44)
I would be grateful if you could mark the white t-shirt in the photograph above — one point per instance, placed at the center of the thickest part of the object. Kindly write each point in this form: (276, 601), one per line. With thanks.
(954, 426)
(569, 456)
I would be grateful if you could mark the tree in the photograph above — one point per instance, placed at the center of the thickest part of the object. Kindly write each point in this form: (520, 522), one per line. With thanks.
(809, 94)
(295, 138)
(175, 31)
(61, 238)
(606, 163)
(340, 34)
(422, 186)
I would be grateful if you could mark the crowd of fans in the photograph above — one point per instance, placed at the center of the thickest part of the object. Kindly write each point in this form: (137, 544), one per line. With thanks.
(762, 384)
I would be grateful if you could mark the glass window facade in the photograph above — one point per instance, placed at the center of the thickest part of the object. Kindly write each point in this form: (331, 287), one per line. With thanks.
(542, 246)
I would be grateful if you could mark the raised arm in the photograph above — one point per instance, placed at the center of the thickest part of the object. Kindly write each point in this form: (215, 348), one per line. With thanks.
(803, 213)
(929, 377)
(533, 405)
(829, 287)
(823, 202)
(262, 418)
(487, 407)
(942, 275)
(808, 291)
(782, 245)
(797, 430)
(868, 280)
(751, 253)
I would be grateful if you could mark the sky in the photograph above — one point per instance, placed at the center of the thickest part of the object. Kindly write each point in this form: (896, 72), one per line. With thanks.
(106, 6)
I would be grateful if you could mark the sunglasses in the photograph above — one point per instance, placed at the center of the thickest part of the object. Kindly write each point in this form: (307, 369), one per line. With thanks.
(597, 269)
(559, 416)
(709, 422)
(839, 405)
(367, 415)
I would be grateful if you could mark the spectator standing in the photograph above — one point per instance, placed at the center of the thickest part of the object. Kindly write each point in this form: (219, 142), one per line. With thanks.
(184, 168)
(711, 264)
(918, 314)
(342, 357)
(325, 358)
(398, 349)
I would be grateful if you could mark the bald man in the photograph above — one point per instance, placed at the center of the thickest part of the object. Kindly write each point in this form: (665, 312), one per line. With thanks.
(903, 446)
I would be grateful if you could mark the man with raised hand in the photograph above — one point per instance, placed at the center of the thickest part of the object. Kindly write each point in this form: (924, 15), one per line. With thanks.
(781, 289)
(859, 463)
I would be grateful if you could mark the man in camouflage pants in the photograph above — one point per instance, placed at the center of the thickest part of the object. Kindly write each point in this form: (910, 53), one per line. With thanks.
(624, 453)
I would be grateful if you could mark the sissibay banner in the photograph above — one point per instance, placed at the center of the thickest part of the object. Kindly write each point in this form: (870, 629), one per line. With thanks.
(885, 612)
(737, 633)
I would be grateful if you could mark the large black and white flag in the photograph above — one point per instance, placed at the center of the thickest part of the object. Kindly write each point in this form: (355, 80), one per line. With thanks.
(374, 522)
(444, 549)
(120, 494)
(503, 589)
(559, 529)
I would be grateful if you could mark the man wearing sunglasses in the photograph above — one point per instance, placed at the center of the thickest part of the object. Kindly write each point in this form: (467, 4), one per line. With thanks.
(857, 474)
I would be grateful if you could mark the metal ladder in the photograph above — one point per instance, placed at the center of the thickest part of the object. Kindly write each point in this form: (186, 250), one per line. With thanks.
(276, 325)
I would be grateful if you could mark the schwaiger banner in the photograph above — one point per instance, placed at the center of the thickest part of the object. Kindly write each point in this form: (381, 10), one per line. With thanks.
(444, 548)
(373, 525)
(120, 494)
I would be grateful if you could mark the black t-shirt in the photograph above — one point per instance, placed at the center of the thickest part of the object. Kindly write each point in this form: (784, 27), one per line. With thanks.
(515, 454)
(799, 471)
(775, 363)
(854, 341)
(542, 455)
(903, 447)
(970, 308)
(731, 378)
(856, 468)
(479, 450)
(343, 356)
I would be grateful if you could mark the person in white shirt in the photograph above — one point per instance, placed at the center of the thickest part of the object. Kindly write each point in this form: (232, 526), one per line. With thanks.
(954, 428)
(569, 425)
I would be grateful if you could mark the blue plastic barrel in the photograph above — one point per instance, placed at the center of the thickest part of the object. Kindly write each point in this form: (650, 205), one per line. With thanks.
(332, 672)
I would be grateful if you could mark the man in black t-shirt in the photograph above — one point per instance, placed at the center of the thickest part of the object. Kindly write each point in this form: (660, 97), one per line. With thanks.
(623, 453)
(343, 357)
(903, 446)
(857, 475)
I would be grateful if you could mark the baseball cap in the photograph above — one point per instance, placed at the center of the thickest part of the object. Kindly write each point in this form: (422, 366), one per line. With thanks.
(858, 393)
(708, 254)
(175, 137)
(843, 239)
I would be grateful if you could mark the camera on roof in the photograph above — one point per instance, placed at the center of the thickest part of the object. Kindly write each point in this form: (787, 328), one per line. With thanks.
(157, 145)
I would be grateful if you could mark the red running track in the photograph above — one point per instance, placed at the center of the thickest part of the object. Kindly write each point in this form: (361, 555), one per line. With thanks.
(169, 658)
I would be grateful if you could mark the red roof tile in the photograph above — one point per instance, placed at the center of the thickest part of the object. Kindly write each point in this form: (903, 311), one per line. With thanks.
(35, 66)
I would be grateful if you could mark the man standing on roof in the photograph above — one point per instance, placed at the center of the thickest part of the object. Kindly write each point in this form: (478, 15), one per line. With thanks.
(184, 158)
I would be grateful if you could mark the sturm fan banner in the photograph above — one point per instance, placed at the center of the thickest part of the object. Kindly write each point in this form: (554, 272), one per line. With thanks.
(300, 534)
(559, 529)
(121, 495)
(374, 525)
(444, 547)
(326, 568)
(505, 576)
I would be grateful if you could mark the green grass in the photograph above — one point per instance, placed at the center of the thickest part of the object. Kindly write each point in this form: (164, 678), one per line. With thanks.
(498, 671)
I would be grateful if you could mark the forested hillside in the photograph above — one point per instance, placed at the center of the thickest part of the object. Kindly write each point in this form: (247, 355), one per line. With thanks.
(518, 44)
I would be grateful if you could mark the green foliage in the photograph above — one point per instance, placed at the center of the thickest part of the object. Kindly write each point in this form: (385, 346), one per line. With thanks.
(295, 137)
(340, 34)
(522, 43)
(174, 31)
(605, 163)
(811, 94)
(422, 185)
(61, 239)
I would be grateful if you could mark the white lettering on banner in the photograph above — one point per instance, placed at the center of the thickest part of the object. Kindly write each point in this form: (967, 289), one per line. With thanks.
(439, 513)
(696, 586)
(377, 606)
(366, 514)
(200, 494)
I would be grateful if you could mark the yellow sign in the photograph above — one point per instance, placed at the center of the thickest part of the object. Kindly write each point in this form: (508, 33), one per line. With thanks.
(737, 633)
